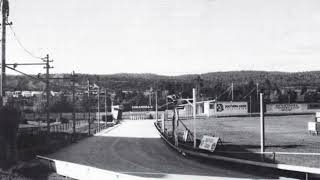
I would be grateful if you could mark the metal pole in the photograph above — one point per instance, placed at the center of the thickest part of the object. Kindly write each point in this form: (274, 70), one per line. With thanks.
(89, 123)
(112, 111)
(194, 118)
(250, 105)
(156, 106)
(99, 108)
(231, 91)
(257, 94)
(261, 123)
(167, 100)
(105, 106)
(150, 93)
(162, 121)
(73, 104)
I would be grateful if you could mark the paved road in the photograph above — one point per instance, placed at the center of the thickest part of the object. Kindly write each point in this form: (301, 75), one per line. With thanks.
(135, 148)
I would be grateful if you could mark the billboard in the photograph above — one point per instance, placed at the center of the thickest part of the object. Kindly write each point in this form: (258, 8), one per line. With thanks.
(293, 108)
(230, 108)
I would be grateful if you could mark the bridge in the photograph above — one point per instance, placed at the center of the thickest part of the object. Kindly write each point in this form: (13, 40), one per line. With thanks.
(134, 150)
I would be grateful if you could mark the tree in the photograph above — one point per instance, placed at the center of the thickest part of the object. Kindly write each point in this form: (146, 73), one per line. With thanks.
(62, 105)
(10, 117)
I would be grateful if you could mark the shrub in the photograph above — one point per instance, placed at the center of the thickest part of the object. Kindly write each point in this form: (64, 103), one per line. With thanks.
(9, 124)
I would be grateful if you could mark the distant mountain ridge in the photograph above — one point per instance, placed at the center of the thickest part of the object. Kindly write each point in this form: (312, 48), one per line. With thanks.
(139, 82)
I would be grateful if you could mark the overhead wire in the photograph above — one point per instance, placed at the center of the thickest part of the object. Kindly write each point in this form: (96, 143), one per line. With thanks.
(39, 79)
(244, 97)
(21, 44)
(227, 90)
(30, 76)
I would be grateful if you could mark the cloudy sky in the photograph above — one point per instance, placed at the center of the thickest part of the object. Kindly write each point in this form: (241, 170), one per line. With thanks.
(168, 37)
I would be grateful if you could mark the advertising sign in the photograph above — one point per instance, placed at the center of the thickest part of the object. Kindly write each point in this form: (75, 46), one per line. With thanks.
(209, 143)
(286, 108)
(142, 108)
(231, 108)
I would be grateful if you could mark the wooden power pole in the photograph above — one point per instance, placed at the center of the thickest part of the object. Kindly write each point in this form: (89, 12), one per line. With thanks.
(5, 15)
(89, 120)
(47, 67)
(105, 106)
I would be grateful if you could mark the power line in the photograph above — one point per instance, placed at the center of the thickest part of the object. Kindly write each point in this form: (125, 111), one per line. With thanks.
(25, 74)
(227, 90)
(22, 46)
(244, 97)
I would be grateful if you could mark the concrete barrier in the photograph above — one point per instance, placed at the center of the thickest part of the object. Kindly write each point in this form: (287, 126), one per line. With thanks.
(82, 172)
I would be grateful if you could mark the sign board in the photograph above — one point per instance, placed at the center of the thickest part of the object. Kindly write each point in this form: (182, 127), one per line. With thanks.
(293, 108)
(314, 127)
(209, 143)
(286, 108)
(231, 108)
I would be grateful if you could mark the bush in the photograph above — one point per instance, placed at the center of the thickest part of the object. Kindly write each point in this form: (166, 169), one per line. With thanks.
(9, 124)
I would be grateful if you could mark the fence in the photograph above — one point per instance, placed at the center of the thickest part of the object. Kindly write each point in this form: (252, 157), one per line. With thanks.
(54, 127)
(140, 115)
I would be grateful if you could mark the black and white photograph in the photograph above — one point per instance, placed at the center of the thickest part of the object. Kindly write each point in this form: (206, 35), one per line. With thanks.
(159, 89)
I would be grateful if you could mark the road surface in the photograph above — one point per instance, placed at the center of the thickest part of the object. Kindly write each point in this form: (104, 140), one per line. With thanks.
(134, 147)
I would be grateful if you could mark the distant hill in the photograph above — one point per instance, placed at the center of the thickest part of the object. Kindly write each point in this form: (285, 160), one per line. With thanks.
(141, 82)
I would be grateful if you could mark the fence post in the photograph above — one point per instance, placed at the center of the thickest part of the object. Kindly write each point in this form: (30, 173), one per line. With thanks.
(261, 123)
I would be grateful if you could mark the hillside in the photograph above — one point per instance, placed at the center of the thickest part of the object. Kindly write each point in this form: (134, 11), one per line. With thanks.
(141, 82)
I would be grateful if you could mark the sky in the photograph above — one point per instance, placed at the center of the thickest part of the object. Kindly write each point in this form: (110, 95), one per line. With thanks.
(169, 37)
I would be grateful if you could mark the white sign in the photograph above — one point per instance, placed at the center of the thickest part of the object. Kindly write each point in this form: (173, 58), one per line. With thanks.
(231, 108)
(289, 108)
(209, 143)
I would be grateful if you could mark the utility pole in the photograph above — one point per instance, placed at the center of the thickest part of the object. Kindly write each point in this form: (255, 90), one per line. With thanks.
(167, 100)
(257, 91)
(157, 106)
(89, 123)
(250, 105)
(5, 15)
(261, 124)
(231, 92)
(105, 106)
(47, 67)
(257, 95)
(98, 108)
(150, 94)
(73, 76)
